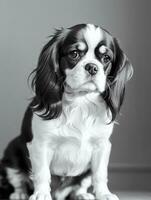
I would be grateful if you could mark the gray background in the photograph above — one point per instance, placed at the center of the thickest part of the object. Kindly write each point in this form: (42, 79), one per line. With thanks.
(24, 27)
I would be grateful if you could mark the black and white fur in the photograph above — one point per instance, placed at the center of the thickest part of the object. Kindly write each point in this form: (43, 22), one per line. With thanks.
(79, 86)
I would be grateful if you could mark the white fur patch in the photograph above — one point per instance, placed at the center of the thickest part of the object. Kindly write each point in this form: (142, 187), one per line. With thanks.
(17, 180)
(81, 46)
(15, 177)
(93, 35)
(62, 194)
(102, 49)
(81, 127)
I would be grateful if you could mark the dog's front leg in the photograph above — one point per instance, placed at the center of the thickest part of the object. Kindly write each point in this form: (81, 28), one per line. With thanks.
(100, 160)
(40, 157)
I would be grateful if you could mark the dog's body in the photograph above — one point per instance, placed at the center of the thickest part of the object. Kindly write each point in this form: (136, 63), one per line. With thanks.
(15, 169)
(79, 88)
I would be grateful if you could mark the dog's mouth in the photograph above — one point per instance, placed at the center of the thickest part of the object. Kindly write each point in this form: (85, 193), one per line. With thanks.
(85, 88)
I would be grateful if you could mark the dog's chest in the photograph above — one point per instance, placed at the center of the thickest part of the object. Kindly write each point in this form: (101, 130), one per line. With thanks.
(74, 135)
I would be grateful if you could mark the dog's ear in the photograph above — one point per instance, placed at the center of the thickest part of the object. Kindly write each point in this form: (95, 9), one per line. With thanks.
(120, 73)
(48, 80)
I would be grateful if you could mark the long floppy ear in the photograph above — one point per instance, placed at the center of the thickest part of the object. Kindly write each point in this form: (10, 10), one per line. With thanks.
(48, 80)
(120, 73)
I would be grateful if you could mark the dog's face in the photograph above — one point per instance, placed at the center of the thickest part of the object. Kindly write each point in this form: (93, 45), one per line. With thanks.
(87, 55)
(83, 58)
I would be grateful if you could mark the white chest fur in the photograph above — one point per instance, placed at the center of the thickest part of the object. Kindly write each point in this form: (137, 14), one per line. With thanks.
(82, 126)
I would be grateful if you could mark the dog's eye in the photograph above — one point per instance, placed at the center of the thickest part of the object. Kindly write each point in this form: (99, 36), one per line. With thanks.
(106, 59)
(74, 55)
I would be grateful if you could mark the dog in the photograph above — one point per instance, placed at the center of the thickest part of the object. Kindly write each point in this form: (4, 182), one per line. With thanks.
(79, 87)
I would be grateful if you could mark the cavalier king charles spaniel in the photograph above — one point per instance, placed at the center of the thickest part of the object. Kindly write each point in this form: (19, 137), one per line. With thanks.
(79, 86)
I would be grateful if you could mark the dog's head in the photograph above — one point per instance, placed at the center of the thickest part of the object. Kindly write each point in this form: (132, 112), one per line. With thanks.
(82, 58)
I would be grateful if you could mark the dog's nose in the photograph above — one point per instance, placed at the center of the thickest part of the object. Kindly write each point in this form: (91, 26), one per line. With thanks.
(91, 68)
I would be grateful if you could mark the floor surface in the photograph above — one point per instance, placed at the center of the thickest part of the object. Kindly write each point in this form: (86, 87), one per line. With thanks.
(126, 195)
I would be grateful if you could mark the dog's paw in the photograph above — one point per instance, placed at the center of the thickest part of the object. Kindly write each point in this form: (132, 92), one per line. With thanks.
(107, 197)
(18, 196)
(85, 196)
(40, 196)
